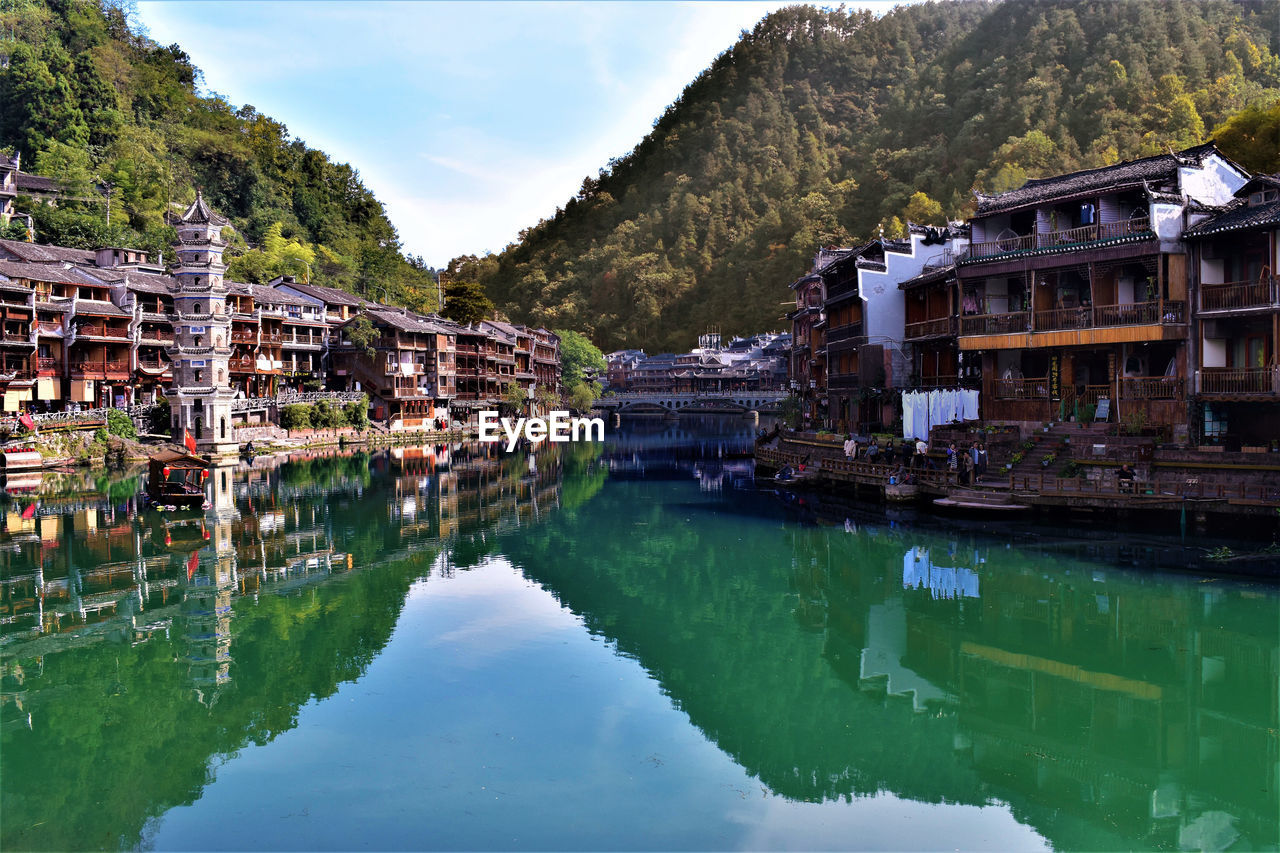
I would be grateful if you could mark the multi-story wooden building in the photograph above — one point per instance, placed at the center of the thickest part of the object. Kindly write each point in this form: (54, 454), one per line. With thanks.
(1075, 289)
(1236, 318)
(808, 344)
(411, 377)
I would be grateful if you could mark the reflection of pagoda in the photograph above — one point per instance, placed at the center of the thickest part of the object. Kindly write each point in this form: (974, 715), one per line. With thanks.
(206, 608)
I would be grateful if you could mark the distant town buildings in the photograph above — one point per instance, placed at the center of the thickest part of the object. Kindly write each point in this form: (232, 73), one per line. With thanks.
(755, 363)
(1144, 292)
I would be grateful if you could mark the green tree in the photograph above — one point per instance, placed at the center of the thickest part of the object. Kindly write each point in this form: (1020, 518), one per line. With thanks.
(515, 398)
(583, 396)
(465, 302)
(356, 413)
(579, 358)
(363, 335)
(295, 416)
(1251, 137)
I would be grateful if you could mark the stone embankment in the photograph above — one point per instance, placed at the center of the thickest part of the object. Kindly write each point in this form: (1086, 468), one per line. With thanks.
(1057, 468)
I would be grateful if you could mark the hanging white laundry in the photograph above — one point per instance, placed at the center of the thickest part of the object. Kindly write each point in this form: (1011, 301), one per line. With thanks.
(969, 400)
(907, 415)
(922, 416)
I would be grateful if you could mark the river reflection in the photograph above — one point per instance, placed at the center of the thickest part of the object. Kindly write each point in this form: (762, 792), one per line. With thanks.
(403, 650)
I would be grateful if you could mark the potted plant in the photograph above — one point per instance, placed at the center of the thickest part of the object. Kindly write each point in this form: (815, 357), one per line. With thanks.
(1048, 460)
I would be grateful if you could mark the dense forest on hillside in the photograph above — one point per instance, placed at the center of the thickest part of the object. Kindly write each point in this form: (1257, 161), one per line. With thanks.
(106, 111)
(820, 127)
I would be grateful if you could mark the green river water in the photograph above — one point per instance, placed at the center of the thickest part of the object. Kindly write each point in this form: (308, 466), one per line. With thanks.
(618, 646)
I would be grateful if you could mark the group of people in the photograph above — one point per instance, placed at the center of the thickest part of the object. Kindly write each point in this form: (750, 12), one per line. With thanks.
(968, 464)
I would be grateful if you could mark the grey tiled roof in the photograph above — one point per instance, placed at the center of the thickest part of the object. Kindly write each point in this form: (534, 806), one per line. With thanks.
(1238, 215)
(36, 253)
(1162, 167)
(325, 294)
(47, 272)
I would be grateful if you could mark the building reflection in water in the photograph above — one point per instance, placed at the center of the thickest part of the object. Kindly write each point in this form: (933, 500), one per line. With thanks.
(1108, 708)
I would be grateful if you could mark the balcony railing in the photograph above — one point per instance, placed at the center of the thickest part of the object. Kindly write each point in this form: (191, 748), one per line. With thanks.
(851, 331)
(16, 338)
(244, 337)
(100, 331)
(995, 324)
(1239, 380)
(1051, 239)
(1022, 389)
(90, 369)
(1060, 319)
(49, 362)
(1240, 295)
(156, 335)
(1151, 387)
(929, 328)
(50, 326)
(242, 365)
(153, 364)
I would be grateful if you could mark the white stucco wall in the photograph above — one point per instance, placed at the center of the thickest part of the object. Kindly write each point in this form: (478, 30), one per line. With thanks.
(1214, 352)
(1214, 183)
(1166, 220)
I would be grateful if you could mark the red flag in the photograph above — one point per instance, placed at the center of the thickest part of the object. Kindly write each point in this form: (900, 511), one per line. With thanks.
(188, 441)
(27, 421)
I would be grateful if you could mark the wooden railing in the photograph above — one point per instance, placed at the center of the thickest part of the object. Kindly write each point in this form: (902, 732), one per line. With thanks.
(156, 335)
(16, 338)
(1022, 389)
(154, 364)
(1239, 380)
(49, 326)
(995, 324)
(84, 368)
(1237, 295)
(1089, 395)
(242, 364)
(1151, 387)
(1063, 318)
(928, 328)
(100, 330)
(49, 362)
(1049, 239)
(1160, 487)
(244, 337)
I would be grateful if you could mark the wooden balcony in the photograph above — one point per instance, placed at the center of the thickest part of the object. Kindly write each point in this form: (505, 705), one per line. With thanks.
(111, 369)
(1065, 239)
(156, 335)
(1240, 381)
(1152, 387)
(153, 364)
(49, 327)
(996, 324)
(1262, 293)
(49, 364)
(1022, 389)
(97, 330)
(941, 327)
(246, 364)
(242, 337)
(16, 339)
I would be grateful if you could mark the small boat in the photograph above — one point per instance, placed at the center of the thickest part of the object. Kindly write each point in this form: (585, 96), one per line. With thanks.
(177, 479)
(14, 460)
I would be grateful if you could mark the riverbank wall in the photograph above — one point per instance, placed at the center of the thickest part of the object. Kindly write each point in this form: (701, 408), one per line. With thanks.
(1056, 472)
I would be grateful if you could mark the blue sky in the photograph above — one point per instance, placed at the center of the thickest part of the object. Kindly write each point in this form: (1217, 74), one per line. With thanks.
(469, 121)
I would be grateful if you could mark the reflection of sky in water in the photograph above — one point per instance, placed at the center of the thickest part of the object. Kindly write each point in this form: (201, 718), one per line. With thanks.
(492, 720)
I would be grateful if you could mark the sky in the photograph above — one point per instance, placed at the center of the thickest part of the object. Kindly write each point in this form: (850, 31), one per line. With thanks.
(469, 121)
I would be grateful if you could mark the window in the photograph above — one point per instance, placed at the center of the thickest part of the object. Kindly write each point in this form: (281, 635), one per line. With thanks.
(1263, 197)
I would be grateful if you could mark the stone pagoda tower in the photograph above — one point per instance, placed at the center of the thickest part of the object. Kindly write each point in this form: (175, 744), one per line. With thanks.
(200, 398)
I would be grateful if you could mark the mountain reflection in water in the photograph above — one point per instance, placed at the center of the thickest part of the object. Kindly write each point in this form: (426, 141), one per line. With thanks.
(859, 663)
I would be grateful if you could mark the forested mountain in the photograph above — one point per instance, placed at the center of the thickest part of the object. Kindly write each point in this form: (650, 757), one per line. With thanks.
(821, 126)
(89, 101)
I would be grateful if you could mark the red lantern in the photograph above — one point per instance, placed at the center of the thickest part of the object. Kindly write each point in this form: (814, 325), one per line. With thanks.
(168, 540)
(166, 471)
(204, 474)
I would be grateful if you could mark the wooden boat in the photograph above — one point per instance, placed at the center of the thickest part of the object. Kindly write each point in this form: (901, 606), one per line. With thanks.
(176, 479)
(15, 460)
